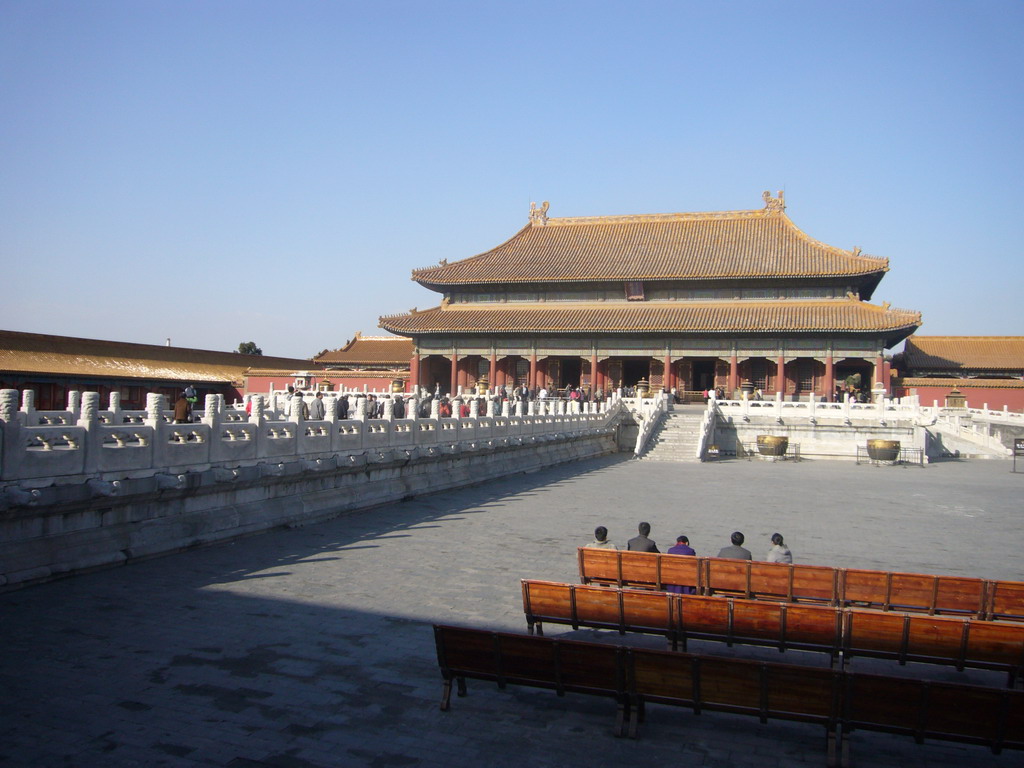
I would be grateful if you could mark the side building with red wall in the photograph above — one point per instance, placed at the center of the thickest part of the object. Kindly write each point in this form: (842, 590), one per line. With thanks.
(984, 370)
(52, 366)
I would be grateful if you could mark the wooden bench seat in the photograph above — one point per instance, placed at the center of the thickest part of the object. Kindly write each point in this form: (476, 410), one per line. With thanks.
(841, 632)
(921, 593)
(839, 701)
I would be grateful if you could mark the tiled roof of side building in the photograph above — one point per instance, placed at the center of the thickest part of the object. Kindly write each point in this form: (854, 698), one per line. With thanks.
(944, 382)
(704, 317)
(43, 354)
(705, 246)
(955, 353)
(370, 350)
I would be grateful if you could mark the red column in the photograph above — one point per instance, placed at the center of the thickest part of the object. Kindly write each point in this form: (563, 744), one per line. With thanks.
(593, 374)
(533, 372)
(493, 380)
(780, 375)
(830, 379)
(455, 375)
(879, 371)
(414, 373)
(734, 376)
(667, 376)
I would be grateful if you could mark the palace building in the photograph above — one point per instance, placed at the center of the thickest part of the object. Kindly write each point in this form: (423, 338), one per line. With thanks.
(686, 301)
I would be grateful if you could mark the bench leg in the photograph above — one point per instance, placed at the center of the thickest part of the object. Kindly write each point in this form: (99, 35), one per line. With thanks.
(461, 685)
(621, 716)
(446, 696)
(838, 745)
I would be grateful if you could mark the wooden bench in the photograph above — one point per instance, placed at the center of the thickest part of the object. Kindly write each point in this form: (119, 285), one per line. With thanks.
(840, 701)
(559, 665)
(841, 632)
(922, 593)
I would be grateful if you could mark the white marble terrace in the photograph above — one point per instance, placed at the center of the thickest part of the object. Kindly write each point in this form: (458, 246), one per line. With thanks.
(40, 448)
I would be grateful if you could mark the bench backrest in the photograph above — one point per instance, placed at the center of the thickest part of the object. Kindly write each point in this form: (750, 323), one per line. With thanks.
(944, 639)
(926, 593)
(563, 665)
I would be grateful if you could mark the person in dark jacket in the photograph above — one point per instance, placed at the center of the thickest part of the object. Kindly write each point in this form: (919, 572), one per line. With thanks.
(642, 543)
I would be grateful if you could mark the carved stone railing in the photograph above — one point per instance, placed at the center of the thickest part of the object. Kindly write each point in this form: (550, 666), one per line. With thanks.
(649, 413)
(39, 448)
(707, 428)
(813, 411)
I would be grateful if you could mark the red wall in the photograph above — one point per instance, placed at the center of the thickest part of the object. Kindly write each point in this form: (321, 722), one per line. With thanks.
(976, 396)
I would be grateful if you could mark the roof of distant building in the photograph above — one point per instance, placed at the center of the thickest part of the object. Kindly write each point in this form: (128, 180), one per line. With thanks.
(964, 353)
(369, 350)
(761, 243)
(945, 382)
(43, 354)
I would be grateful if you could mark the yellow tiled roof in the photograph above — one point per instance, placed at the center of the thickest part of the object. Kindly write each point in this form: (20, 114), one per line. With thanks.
(706, 246)
(704, 317)
(43, 354)
(370, 350)
(953, 353)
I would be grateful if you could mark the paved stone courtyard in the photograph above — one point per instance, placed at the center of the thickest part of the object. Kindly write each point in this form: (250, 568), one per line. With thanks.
(312, 647)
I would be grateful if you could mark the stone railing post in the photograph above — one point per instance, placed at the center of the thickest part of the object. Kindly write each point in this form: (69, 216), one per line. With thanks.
(295, 409)
(360, 412)
(115, 407)
(10, 425)
(9, 406)
(212, 413)
(256, 411)
(28, 406)
(531, 406)
(457, 405)
(89, 421)
(389, 409)
(412, 408)
(154, 409)
(435, 406)
(331, 408)
(74, 403)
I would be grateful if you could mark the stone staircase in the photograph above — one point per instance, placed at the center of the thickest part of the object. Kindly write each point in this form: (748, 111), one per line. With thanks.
(678, 436)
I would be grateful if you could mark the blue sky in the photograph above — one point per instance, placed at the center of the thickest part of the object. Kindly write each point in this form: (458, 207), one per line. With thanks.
(225, 171)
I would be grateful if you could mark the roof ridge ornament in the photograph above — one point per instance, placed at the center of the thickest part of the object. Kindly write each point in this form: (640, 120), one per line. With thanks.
(774, 203)
(539, 215)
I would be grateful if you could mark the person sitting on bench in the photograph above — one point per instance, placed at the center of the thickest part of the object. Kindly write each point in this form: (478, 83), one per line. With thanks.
(601, 539)
(682, 547)
(641, 543)
(736, 550)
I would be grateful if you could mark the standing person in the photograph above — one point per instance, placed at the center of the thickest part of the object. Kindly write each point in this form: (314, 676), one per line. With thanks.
(399, 411)
(182, 410)
(601, 539)
(735, 551)
(682, 547)
(779, 553)
(642, 543)
(343, 407)
(316, 408)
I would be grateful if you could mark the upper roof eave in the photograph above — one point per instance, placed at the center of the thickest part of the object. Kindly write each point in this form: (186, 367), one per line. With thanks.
(754, 244)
